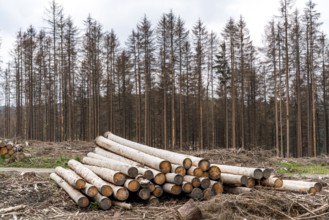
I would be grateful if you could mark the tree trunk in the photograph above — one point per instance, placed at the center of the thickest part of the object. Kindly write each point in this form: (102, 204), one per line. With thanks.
(103, 201)
(174, 178)
(246, 171)
(192, 179)
(172, 188)
(71, 177)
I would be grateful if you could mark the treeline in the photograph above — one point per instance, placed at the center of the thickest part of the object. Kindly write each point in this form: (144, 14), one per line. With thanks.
(170, 87)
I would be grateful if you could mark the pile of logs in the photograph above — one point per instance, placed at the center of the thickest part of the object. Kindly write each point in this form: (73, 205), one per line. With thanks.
(8, 148)
(120, 169)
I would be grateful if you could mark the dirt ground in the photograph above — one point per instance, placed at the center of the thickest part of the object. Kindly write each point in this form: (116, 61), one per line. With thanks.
(45, 200)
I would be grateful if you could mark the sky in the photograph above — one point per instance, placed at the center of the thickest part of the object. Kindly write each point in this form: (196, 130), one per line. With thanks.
(123, 15)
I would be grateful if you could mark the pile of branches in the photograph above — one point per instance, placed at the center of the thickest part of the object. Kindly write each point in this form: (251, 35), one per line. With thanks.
(120, 169)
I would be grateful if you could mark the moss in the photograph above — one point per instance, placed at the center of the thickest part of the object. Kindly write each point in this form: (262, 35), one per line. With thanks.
(296, 168)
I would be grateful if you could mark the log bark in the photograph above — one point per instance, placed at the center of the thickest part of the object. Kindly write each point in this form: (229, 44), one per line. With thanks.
(102, 201)
(237, 189)
(214, 172)
(132, 185)
(127, 169)
(115, 177)
(217, 187)
(233, 179)
(275, 182)
(178, 169)
(174, 178)
(245, 171)
(302, 185)
(192, 179)
(205, 182)
(158, 191)
(90, 190)
(195, 171)
(71, 177)
(122, 205)
(152, 161)
(196, 194)
(189, 211)
(104, 188)
(187, 187)
(172, 188)
(78, 198)
(173, 157)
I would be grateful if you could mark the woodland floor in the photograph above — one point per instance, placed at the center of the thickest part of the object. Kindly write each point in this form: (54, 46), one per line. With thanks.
(44, 200)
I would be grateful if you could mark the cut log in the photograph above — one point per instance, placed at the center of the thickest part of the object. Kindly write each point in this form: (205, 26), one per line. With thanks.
(189, 211)
(158, 191)
(195, 171)
(127, 169)
(249, 182)
(3, 151)
(102, 201)
(267, 172)
(115, 177)
(302, 185)
(205, 182)
(214, 172)
(187, 187)
(71, 177)
(90, 190)
(159, 178)
(237, 189)
(144, 194)
(172, 188)
(173, 157)
(132, 185)
(144, 183)
(153, 201)
(272, 182)
(152, 161)
(120, 193)
(205, 174)
(196, 194)
(192, 179)
(78, 197)
(11, 152)
(245, 171)
(9, 145)
(217, 187)
(202, 163)
(174, 178)
(122, 205)
(91, 177)
(151, 187)
(233, 179)
(208, 194)
(178, 169)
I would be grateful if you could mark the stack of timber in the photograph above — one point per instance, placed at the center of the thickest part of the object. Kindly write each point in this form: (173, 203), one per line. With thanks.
(8, 148)
(119, 171)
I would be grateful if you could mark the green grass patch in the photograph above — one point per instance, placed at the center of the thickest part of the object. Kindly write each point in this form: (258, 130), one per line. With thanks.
(296, 168)
(39, 162)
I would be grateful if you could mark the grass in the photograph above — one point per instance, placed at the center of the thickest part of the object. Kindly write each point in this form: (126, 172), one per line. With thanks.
(39, 162)
(296, 168)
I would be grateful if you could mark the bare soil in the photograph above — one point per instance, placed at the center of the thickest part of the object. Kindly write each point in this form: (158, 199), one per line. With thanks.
(45, 200)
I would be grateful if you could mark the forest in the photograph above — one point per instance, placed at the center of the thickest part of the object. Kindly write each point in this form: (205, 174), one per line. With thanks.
(171, 87)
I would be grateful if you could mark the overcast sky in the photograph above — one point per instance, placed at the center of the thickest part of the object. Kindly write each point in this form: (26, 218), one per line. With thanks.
(123, 15)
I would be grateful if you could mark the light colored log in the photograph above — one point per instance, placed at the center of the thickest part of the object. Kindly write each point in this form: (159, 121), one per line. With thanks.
(102, 201)
(11, 152)
(144, 183)
(144, 194)
(152, 161)
(187, 187)
(178, 169)
(233, 179)
(217, 187)
(172, 188)
(249, 182)
(3, 151)
(115, 177)
(159, 178)
(237, 189)
(173, 157)
(122, 204)
(132, 185)
(71, 177)
(127, 169)
(202, 163)
(195, 171)
(158, 191)
(120, 193)
(91, 177)
(153, 201)
(189, 211)
(302, 185)
(9, 145)
(272, 182)
(192, 179)
(245, 171)
(214, 172)
(141, 170)
(196, 194)
(205, 182)
(89, 190)
(78, 198)
(174, 178)
(267, 172)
